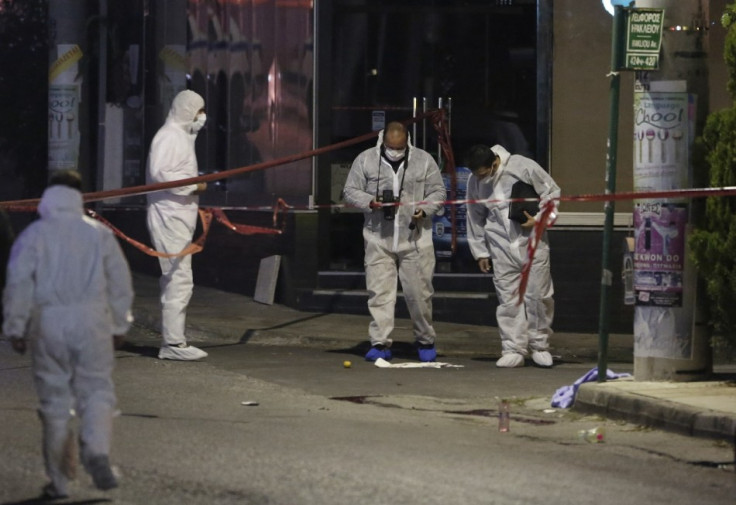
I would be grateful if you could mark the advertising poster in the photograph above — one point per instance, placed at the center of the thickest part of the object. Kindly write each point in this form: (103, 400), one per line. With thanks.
(442, 221)
(661, 157)
(663, 134)
(661, 140)
(659, 253)
(63, 127)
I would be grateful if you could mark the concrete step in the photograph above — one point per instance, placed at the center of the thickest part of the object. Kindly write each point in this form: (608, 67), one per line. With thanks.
(466, 298)
(455, 307)
(476, 283)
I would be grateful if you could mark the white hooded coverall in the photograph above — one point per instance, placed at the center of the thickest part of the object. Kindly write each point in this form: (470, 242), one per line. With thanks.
(491, 234)
(172, 213)
(391, 244)
(69, 290)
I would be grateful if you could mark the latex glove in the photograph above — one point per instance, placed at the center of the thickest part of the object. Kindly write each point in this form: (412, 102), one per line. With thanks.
(418, 214)
(530, 221)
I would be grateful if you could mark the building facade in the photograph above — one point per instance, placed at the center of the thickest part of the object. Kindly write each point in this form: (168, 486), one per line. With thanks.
(283, 77)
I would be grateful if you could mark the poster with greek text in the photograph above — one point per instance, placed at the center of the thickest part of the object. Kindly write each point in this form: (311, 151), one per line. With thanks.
(662, 134)
(659, 253)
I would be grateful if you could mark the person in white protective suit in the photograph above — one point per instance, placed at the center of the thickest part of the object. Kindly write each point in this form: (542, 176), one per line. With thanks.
(493, 236)
(69, 292)
(172, 217)
(397, 238)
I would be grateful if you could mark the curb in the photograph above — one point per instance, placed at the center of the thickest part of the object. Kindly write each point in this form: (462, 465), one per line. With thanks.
(655, 413)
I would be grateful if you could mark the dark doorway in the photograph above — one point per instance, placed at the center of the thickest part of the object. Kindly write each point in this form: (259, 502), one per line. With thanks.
(382, 54)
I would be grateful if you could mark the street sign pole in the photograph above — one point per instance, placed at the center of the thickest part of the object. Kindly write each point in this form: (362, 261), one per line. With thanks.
(636, 40)
(609, 206)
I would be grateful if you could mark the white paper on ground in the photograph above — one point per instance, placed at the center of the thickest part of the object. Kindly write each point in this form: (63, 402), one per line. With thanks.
(382, 363)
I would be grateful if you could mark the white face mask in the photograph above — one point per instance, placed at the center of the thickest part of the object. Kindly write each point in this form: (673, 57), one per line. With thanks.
(394, 154)
(199, 122)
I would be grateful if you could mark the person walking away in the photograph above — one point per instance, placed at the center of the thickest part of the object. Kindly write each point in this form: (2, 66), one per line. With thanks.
(68, 295)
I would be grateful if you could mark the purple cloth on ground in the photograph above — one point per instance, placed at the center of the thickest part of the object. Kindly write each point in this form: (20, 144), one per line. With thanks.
(565, 396)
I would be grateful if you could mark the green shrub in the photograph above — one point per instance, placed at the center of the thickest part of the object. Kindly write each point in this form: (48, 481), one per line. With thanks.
(713, 243)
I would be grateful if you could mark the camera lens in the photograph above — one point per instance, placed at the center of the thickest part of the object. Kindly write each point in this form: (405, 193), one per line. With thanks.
(388, 212)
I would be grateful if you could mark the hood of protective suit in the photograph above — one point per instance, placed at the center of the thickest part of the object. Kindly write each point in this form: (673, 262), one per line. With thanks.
(184, 109)
(502, 153)
(60, 199)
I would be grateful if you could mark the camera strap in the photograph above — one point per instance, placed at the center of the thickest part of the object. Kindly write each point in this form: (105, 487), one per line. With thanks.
(405, 161)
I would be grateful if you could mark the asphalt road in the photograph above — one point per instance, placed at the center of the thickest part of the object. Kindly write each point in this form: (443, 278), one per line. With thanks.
(324, 434)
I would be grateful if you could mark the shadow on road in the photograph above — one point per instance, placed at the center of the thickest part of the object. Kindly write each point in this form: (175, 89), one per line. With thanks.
(41, 499)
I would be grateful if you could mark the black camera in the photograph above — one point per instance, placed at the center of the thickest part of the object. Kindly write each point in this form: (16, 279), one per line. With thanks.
(389, 212)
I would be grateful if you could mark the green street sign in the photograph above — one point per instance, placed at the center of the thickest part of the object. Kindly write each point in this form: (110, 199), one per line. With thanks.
(643, 38)
(642, 61)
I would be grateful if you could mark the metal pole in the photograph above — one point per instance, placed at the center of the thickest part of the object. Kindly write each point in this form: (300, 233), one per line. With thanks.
(414, 124)
(449, 115)
(424, 124)
(316, 83)
(439, 148)
(612, 146)
(102, 96)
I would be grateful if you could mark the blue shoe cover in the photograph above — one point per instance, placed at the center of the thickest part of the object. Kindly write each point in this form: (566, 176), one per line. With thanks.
(378, 351)
(427, 352)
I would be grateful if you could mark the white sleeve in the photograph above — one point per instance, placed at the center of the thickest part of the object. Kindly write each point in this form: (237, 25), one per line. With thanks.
(18, 296)
(354, 191)
(475, 217)
(544, 185)
(169, 160)
(119, 285)
(434, 189)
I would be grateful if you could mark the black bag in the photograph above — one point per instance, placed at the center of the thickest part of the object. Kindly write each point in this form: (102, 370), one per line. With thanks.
(516, 209)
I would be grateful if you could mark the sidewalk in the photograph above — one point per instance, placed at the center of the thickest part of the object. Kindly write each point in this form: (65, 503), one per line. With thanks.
(706, 409)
